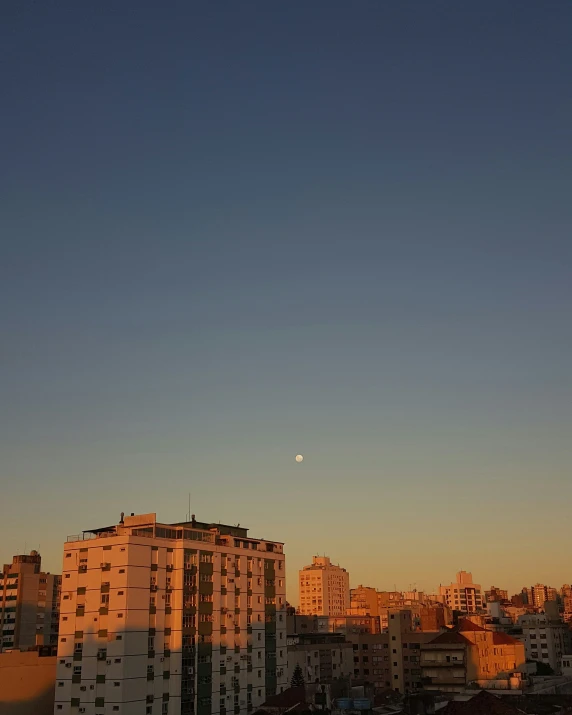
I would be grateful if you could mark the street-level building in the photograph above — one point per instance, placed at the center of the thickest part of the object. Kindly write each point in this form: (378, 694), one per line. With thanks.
(322, 657)
(170, 619)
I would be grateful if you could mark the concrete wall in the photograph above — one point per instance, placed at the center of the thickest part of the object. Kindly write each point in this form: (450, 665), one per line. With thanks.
(27, 683)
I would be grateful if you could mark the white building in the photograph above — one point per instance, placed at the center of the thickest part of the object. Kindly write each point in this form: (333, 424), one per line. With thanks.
(546, 638)
(463, 595)
(324, 588)
(170, 619)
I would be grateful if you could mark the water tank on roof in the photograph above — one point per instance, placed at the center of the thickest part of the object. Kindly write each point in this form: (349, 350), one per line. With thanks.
(344, 703)
(362, 704)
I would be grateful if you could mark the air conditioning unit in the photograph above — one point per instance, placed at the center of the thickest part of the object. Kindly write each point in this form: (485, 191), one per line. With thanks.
(82, 687)
(82, 710)
(68, 665)
(228, 658)
(161, 659)
(109, 661)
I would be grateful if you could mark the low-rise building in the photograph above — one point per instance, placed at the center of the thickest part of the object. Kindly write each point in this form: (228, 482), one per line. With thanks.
(348, 625)
(468, 654)
(322, 657)
(390, 659)
(27, 681)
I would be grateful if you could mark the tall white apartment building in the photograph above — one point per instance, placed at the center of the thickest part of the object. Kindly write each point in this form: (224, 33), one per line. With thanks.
(170, 619)
(463, 595)
(324, 589)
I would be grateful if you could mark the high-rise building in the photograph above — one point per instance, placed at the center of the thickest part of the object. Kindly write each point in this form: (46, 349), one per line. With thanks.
(29, 604)
(170, 619)
(538, 594)
(463, 595)
(324, 588)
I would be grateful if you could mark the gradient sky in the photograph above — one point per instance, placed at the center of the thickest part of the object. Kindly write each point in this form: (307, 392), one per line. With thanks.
(232, 232)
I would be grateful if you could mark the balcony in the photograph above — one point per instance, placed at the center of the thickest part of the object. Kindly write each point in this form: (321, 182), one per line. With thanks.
(427, 660)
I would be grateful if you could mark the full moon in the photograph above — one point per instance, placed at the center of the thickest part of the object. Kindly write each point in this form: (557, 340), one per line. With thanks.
(299, 458)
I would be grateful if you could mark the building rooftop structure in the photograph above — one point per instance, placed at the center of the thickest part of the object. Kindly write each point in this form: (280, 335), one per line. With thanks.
(193, 530)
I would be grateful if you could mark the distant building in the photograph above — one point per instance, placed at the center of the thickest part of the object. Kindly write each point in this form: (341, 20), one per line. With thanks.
(470, 654)
(434, 618)
(363, 601)
(537, 595)
(463, 595)
(324, 588)
(29, 604)
(322, 657)
(546, 637)
(348, 625)
(496, 594)
(189, 616)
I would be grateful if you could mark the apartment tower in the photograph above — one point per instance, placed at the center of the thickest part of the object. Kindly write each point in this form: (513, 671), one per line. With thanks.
(29, 604)
(170, 619)
(463, 595)
(324, 589)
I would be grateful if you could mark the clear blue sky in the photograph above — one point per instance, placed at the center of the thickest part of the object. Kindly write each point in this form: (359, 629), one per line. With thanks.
(232, 232)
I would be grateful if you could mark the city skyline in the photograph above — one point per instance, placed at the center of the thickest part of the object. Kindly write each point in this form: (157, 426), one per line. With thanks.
(373, 580)
(239, 234)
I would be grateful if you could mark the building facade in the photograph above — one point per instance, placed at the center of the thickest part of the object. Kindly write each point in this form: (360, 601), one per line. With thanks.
(27, 681)
(324, 588)
(546, 638)
(170, 619)
(29, 604)
(322, 657)
(390, 659)
(469, 654)
(463, 595)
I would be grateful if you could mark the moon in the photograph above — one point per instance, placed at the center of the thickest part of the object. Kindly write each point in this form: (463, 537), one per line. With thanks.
(299, 458)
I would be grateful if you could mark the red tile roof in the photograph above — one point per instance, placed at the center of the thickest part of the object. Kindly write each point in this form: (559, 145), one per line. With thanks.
(466, 625)
(450, 637)
(500, 638)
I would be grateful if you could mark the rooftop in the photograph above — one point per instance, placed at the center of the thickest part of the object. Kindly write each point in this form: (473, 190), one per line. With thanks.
(146, 525)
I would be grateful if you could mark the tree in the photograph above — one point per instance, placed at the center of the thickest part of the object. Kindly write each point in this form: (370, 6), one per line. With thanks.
(297, 677)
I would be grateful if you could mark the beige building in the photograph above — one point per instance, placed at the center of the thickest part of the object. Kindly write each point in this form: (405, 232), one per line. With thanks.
(170, 619)
(29, 604)
(463, 595)
(470, 654)
(324, 588)
(363, 601)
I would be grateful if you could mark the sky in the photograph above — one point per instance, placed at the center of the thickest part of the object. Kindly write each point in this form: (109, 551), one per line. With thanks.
(235, 232)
